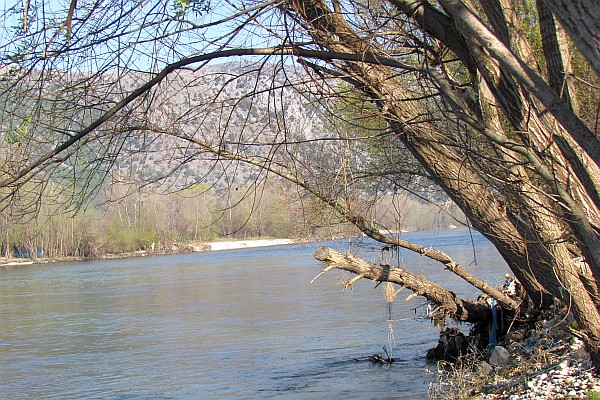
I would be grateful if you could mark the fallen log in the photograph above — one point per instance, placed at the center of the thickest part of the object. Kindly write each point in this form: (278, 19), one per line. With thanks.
(367, 228)
(455, 307)
(439, 256)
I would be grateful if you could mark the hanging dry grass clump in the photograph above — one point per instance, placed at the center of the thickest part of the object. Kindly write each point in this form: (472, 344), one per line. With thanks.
(390, 293)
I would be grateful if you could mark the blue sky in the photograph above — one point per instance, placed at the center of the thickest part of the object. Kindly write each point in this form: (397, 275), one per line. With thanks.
(126, 35)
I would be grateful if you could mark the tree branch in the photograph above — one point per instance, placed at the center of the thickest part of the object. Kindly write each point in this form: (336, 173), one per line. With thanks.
(459, 309)
(361, 223)
(35, 165)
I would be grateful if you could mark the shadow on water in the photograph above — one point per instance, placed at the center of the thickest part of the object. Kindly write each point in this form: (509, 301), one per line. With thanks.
(320, 381)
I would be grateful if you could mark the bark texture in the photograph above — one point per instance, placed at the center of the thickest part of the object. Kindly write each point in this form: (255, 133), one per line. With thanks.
(581, 19)
(459, 309)
(538, 201)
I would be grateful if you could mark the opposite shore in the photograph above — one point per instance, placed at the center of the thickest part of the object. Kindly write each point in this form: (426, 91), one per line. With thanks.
(193, 247)
(175, 249)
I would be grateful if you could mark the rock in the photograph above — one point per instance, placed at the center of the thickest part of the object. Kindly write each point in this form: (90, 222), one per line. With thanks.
(531, 385)
(500, 356)
(576, 342)
(515, 336)
(484, 368)
(580, 353)
(548, 323)
(451, 345)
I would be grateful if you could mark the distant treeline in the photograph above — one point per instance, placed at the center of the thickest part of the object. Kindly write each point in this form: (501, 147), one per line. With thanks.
(135, 220)
(131, 219)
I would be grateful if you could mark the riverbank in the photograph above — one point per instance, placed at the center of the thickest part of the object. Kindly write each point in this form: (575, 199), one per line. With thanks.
(546, 361)
(196, 247)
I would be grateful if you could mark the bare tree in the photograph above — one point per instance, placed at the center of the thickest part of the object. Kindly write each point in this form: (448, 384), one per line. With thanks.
(459, 87)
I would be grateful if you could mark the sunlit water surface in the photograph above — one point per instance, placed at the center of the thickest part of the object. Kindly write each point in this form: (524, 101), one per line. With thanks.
(231, 324)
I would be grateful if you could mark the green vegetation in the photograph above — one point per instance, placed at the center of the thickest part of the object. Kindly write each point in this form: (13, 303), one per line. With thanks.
(145, 220)
(592, 395)
(132, 219)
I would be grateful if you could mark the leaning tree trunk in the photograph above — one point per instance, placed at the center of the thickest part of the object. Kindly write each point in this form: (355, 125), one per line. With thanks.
(557, 56)
(581, 20)
(527, 221)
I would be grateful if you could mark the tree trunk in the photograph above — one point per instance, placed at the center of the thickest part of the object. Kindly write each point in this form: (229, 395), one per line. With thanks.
(581, 20)
(527, 215)
(556, 53)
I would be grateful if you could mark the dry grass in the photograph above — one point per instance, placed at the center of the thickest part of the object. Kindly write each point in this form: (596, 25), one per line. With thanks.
(457, 380)
(469, 377)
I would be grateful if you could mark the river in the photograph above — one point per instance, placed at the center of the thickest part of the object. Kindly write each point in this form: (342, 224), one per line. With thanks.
(240, 324)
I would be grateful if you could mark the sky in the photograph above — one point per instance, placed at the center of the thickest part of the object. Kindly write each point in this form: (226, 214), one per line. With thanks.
(126, 35)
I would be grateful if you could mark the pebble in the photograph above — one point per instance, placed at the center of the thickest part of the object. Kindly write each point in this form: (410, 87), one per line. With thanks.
(568, 379)
(542, 377)
(569, 376)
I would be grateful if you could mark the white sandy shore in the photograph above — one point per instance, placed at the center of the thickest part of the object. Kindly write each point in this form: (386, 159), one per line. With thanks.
(198, 247)
(243, 244)
(11, 263)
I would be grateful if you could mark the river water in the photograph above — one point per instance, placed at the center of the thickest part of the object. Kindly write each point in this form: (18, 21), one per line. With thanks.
(240, 324)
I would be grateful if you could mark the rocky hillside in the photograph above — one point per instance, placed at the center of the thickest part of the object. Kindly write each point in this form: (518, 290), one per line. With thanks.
(241, 108)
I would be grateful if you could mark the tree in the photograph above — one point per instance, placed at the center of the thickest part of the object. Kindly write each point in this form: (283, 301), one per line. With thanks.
(459, 85)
